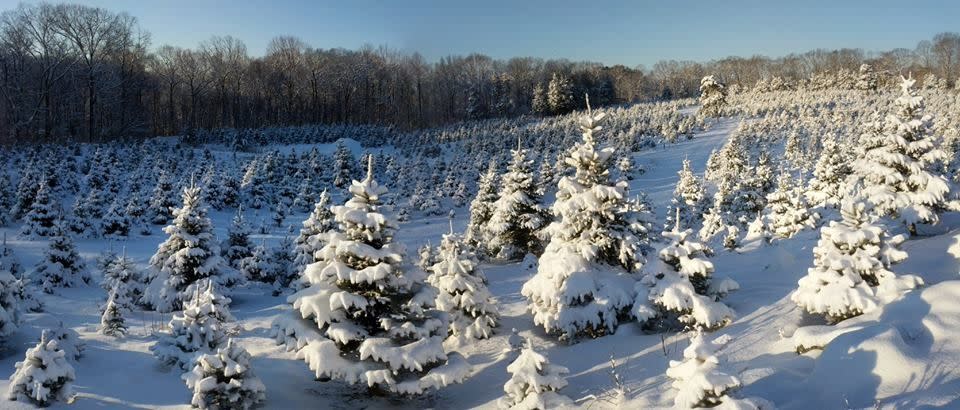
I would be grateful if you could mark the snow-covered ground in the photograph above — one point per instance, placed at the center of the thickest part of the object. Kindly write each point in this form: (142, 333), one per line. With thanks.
(906, 355)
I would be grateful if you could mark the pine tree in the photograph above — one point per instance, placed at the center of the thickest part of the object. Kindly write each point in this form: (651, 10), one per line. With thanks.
(371, 310)
(462, 290)
(581, 286)
(257, 267)
(833, 167)
(115, 223)
(8, 260)
(161, 203)
(313, 234)
(200, 327)
(111, 321)
(10, 308)
(481, 208)
(342, 165)
(539, 102)
(123, 279)
(41, 219)
(517, 215)
(688, 197)
(901, 177)
(282, 264)
(189, 254)
(684, 286)
(225, 380)
(560, 94)
(850, 273)
(237, 247)
(61, 266)
(44, 376)
(700, 379)
(713, 96)
(788, 212)
(867, 79)
(534, 383)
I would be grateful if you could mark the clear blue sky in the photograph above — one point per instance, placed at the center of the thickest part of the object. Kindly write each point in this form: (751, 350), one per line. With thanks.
(611, 32)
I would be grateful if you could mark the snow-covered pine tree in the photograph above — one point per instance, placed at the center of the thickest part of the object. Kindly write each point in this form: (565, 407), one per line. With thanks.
(115, 224)
(481, 208)
(10, 308)
(313, 234)
(517, 215)
(283, 272)
(850, 273)
(237, 247)
(199, 328)
(161, 202)
(833, 167)
(581, 286)
(540, 104)
(370, 307)
(111, 321)
(688, 197)
(41, 219)
(713, 96)
(44, 376)
(788, 212)
(700, 379)
(902, 176)
(8, 259)
(684, 286)
(225, 380)
(462, 290)
(124, 279)
(257, 267)
(61, 266)
(342, 165)
(560, 94)
(189, 254)
(534, 383)
(867, 78)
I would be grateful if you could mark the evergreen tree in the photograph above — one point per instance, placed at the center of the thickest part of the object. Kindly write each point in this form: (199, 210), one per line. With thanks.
(833, 167)
(237, 247)
(688, 197)
(10, 308)
(313, 234)
(342, 165)
(713, 96)
(200, 328)
(161, 203)
(111, 321)
(225, 380)
(539, 103)
(516, 215)
(788, 209)
(850, 273)
(257, 267)
(581, 286)
(901, 177)
(867, 79)
(534, 383)
(283, 271)
(188, 255)
(115, 223)
(372, 309)
(462, 290)
(124, 280)
(684, 286)
(700, 379)
(560, 94)
(61, 266)
(41, 219)
(44, 376)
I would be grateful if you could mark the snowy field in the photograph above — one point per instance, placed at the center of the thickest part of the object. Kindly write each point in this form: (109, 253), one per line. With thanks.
(906, 355)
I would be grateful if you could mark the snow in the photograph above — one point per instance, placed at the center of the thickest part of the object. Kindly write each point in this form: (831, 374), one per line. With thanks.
(900, 355)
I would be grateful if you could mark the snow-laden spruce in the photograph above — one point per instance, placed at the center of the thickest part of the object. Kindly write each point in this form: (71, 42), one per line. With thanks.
(787, 212)
(371, 307)
(237, 247)
(225, 380)
(199, 328)
(10, 309)
(682, 285)
(125, 279)
(481, 207)
(44, 376)
(688, 197)
(900, 171)
(312, 235)
(463, 292)
(517, 214)
(257, 267)
(534, 383)
(581, 286)
(851, 262)
(189, 254)
(61, 266)
(112, 322)
(700, 379)
(43, 216)
(833, 167)
(713, 96)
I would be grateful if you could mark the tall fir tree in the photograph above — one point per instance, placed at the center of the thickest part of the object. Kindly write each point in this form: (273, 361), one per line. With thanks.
(313, 234)
(61, 266)
(481, 208)
(517, 214)
(462, 290)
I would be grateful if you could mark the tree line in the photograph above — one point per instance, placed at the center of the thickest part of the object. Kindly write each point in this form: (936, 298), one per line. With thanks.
(70, 71)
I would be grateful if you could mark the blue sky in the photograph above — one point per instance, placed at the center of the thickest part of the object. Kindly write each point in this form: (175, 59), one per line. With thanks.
(611, 32)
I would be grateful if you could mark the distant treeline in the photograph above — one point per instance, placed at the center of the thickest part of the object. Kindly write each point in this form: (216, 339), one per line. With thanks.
(77, 72)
